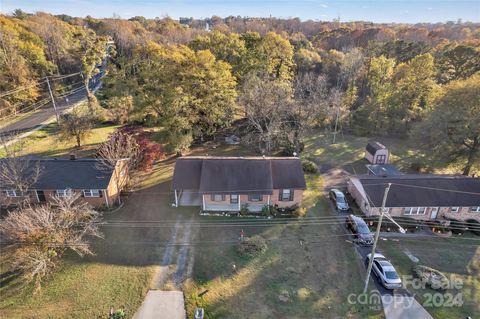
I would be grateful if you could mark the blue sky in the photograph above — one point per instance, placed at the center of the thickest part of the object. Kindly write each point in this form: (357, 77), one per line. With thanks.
(346, 10)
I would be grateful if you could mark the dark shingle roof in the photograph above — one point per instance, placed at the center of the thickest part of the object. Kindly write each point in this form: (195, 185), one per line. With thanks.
(383, 170)
(373, 147)
(238, 175)
(423, 190)
(187, 173)
(75, 174)
(287, 172)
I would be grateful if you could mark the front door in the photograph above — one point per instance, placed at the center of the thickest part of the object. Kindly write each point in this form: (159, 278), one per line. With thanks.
(434, 213)
(41, 197)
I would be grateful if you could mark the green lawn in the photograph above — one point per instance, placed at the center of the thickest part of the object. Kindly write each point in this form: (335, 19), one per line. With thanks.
(317, 275)
(45, 142)
(458, 258)
(120, 273)
(349, 151)
(81, 289)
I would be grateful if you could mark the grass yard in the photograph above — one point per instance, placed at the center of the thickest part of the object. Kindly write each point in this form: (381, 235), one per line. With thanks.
(45, 142)
(317, 275)
(309, 264)
(119, 275)
(459, 258)
(82, 289)
(348, 153)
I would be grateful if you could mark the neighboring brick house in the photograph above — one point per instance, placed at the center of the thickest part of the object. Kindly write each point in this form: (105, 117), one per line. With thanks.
(230, 183)
(424, 197)
(98, 184)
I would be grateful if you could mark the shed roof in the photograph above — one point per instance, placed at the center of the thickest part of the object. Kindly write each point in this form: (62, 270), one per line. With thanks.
(383, 170)
(373, 147)
(66, 173)
(423, 190)
(238, 175)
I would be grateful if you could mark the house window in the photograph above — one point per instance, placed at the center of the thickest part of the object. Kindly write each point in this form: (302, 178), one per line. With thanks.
(12, 193)
(233, 199)
(255, 198)
(286, 195)
(414, 211)
(455, 209)
(217, 198)
(91, 192)
(475, 209)
(63, 192)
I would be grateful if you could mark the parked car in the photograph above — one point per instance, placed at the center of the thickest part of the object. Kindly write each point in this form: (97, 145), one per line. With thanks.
(338, 199)
(384, 270)
(360, 230)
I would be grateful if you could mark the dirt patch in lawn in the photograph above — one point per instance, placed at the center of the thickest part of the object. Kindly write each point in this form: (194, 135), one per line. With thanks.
(307, 271)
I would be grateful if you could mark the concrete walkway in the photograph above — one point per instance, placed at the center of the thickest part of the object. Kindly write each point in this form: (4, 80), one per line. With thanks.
(403, 307)
(162, 304)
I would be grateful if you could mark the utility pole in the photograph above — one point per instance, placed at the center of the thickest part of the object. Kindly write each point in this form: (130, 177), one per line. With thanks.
(377, 233)
(51, 96)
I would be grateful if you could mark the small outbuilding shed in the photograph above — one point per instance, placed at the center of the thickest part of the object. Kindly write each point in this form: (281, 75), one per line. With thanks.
(376, 153)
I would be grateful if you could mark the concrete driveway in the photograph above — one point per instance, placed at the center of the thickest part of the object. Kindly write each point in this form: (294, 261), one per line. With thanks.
(162, 304)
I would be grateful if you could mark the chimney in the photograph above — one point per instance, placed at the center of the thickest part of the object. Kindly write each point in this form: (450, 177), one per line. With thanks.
(72, 157)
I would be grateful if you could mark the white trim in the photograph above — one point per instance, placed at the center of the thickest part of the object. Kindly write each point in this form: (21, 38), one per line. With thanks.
(239, 207)
(36, 195)
(475, 209)
(455, 209)
(176, 199)
(13, 193)
(415, 211)
(268, 200)
(64, 192)
(203, 201)
(90, 193)
(106, 197)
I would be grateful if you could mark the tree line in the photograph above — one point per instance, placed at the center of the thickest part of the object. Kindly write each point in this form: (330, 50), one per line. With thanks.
(280, 78)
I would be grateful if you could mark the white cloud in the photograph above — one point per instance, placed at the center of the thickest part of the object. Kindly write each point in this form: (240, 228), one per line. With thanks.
(323, 6)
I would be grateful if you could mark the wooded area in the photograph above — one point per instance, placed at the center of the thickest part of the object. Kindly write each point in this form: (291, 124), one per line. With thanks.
(277, 78)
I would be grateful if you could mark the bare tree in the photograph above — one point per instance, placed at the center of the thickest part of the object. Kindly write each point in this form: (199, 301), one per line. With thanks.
(120, 153)
(310, 108)
(35, 238)
(266, 103)
(17, 172)
(76, 125)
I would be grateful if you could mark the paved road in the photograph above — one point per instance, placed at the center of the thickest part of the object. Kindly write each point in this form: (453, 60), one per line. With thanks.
(34, 120)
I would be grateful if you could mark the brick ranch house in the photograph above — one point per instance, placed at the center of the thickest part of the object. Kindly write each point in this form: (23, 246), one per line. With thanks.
(230, 183)
(96, 183)
(425, 197)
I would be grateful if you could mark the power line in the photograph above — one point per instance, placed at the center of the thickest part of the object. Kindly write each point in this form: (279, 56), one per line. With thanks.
(53, 78)
(10, 92)
(289, 240)
(160, 224)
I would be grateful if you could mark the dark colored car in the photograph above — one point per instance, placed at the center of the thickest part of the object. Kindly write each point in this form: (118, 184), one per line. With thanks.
(360, 230)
